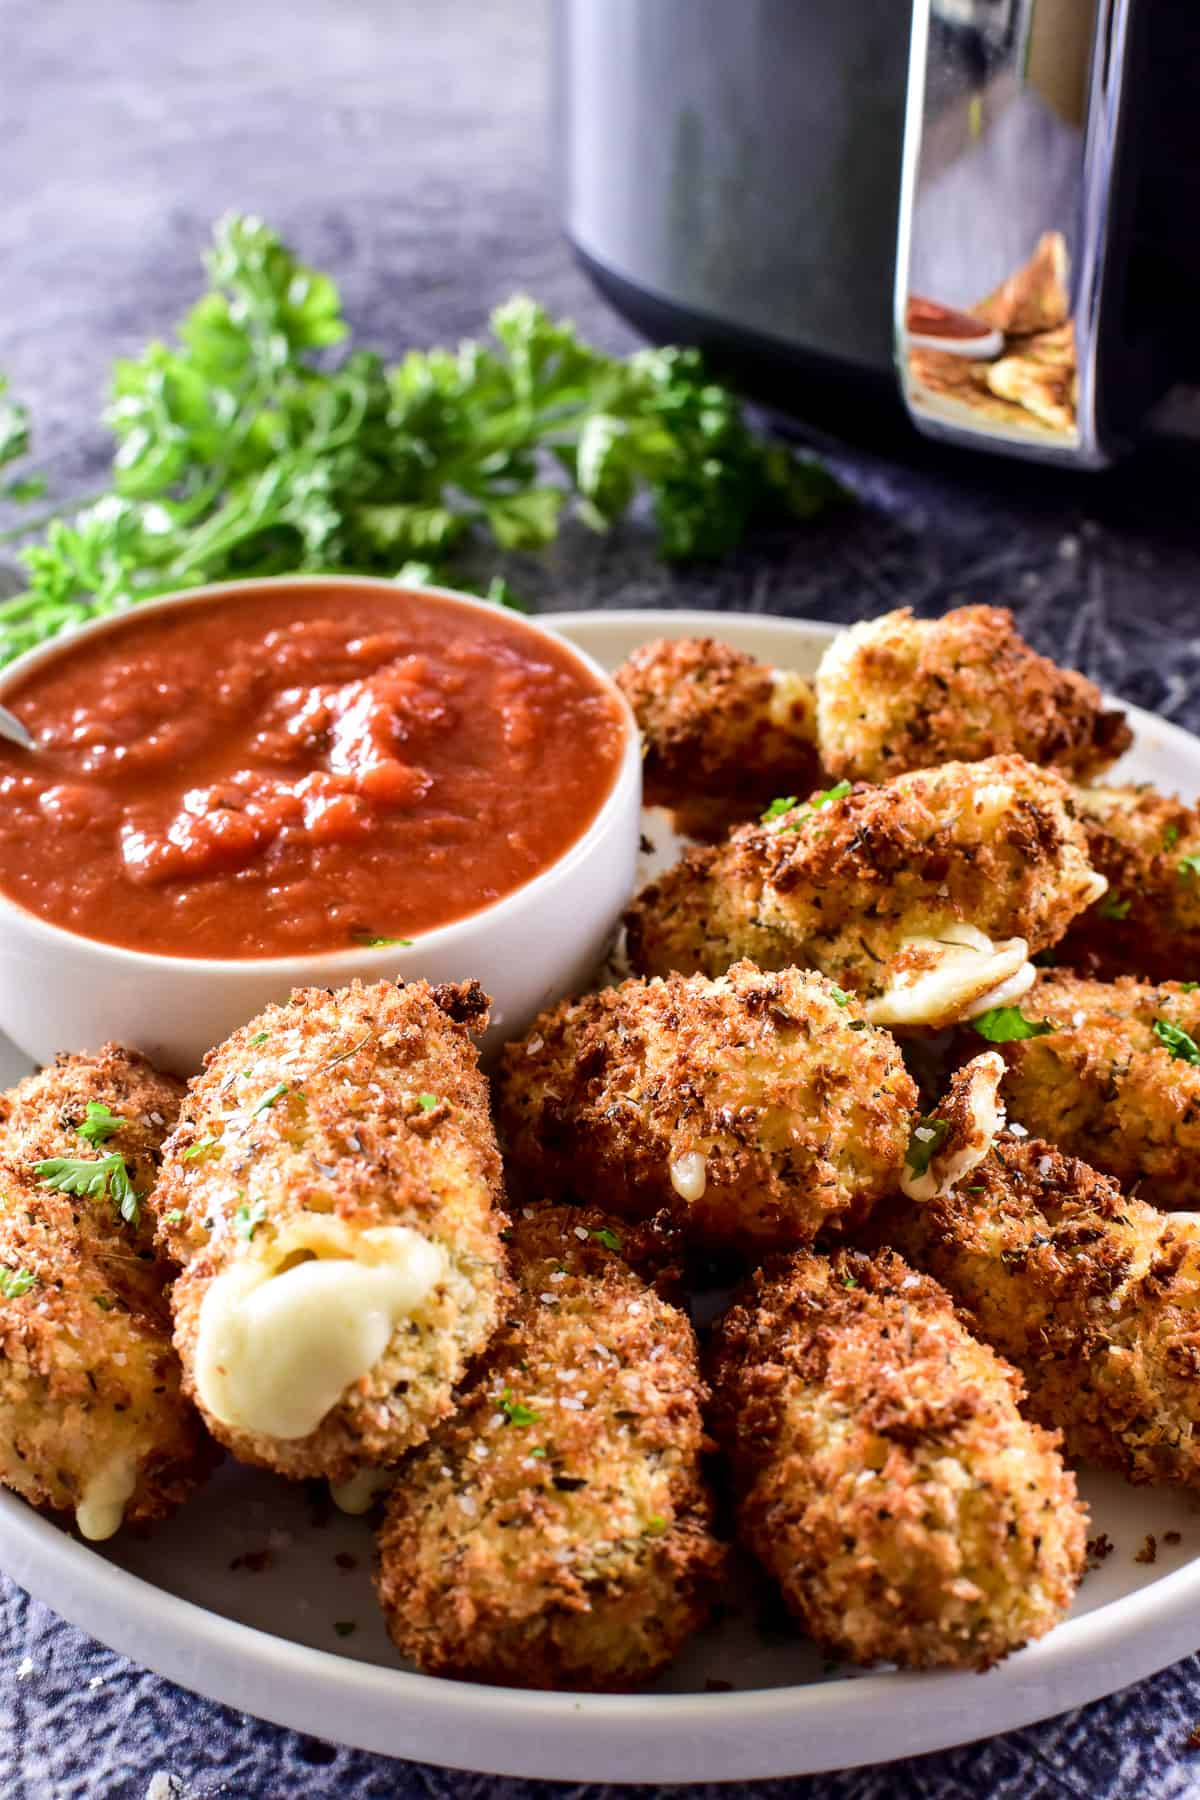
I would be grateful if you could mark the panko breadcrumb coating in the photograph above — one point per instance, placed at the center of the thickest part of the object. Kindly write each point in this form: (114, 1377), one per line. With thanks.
(92, 1416)
(40, 1119)
(722, 734)
(882, 1471)
(1114, 1082)
(556, 1532)
(898, 693)
(924, 896)
(1148, 923)
(760, 1108)
(337, 1142)
(1093, 1294)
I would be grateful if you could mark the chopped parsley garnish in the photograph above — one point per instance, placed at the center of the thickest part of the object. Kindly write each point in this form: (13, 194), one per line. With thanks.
(260, 1037)
(515, 1411)
(858, 1024)
(93, 1178)
(100, 1124)
(849, 1280)
(15, 1282)
(268, 1100)
(1185, 987)
(540, 1451)
(840, 995)
(778, 807)
(247, 1219)
(368, 941)
(1175, 1039)
(608, 1237)
(1008, 1024)
(174, 1217)
(105, 1302)
(1170, 837)
(1189, 865)
(825, 798)
(427, 1102)
(655, 1525)
(1112, 906)
(923, 1143)
(201, 1147)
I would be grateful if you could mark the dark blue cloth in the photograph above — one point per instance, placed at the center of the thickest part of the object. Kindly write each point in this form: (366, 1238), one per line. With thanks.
(404, 146)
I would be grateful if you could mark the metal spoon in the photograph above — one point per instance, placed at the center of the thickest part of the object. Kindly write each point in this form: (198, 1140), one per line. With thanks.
(12, 729)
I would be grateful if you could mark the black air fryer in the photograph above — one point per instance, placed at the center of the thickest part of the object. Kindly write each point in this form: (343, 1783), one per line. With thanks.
(982, 213)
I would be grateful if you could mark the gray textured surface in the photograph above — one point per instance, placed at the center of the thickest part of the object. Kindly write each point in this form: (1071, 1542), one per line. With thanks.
(403, 146)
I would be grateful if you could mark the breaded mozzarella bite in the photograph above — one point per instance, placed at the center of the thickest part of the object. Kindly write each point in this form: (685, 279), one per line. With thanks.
(760, 1108)
(556, 1532)
(93, 1420)
(1093, 1294)
(925, 896)
(898, 693)
(332, 1193)
(722, 734)
(883, 1473)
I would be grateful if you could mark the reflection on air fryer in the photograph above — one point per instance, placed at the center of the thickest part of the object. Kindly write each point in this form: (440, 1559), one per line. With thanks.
(1018, 371)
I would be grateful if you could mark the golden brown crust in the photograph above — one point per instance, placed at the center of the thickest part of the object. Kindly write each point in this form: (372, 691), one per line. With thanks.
(1105, 1087)
(722, 734)
(557, 1531)
(757, 1107)
(1149, 921)
(88, 1377)
(898, 693)
(1093, 1294)
(39, 1118)
(1035, 296)
(845, 886)
(882, 1470)
(349, 1133)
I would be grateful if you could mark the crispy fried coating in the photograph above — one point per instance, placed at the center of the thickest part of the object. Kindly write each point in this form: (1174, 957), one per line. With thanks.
(899, 693)
(39, 1120)
(759, 1108)
(923, 896)
(882, 1470)
(1149, 921)
(1093, 1294)
(319, 1122)
(556, 1532)
(1104, 1085)
(722, 734)
(92, 1416)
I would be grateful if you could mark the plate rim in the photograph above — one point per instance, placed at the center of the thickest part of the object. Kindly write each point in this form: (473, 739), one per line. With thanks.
(746, 1734)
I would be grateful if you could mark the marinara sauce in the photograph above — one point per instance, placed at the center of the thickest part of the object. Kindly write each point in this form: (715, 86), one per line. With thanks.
(283, 770)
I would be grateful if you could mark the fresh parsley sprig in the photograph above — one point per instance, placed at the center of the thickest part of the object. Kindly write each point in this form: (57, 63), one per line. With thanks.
(778, 809)
(1008, 1025)
(253, 446)
(923, 1144)
(1179, 1042)
(93, 1178)
(99, 1124)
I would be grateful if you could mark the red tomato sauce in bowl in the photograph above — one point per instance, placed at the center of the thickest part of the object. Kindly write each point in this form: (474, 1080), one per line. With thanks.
(279, 770)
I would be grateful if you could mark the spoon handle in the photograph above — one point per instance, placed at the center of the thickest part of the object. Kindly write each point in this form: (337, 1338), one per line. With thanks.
(12, 729)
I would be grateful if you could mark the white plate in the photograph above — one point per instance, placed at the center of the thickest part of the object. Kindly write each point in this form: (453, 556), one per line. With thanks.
(264, 1638)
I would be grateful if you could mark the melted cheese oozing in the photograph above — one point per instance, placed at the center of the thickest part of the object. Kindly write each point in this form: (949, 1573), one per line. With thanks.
(358, 1494)
(280, 1340)
(969, 1142)
(101, 1506)
(689, 1175)
(969, 966)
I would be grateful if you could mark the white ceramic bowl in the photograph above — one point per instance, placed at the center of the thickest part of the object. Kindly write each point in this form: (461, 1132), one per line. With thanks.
(61, 991)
